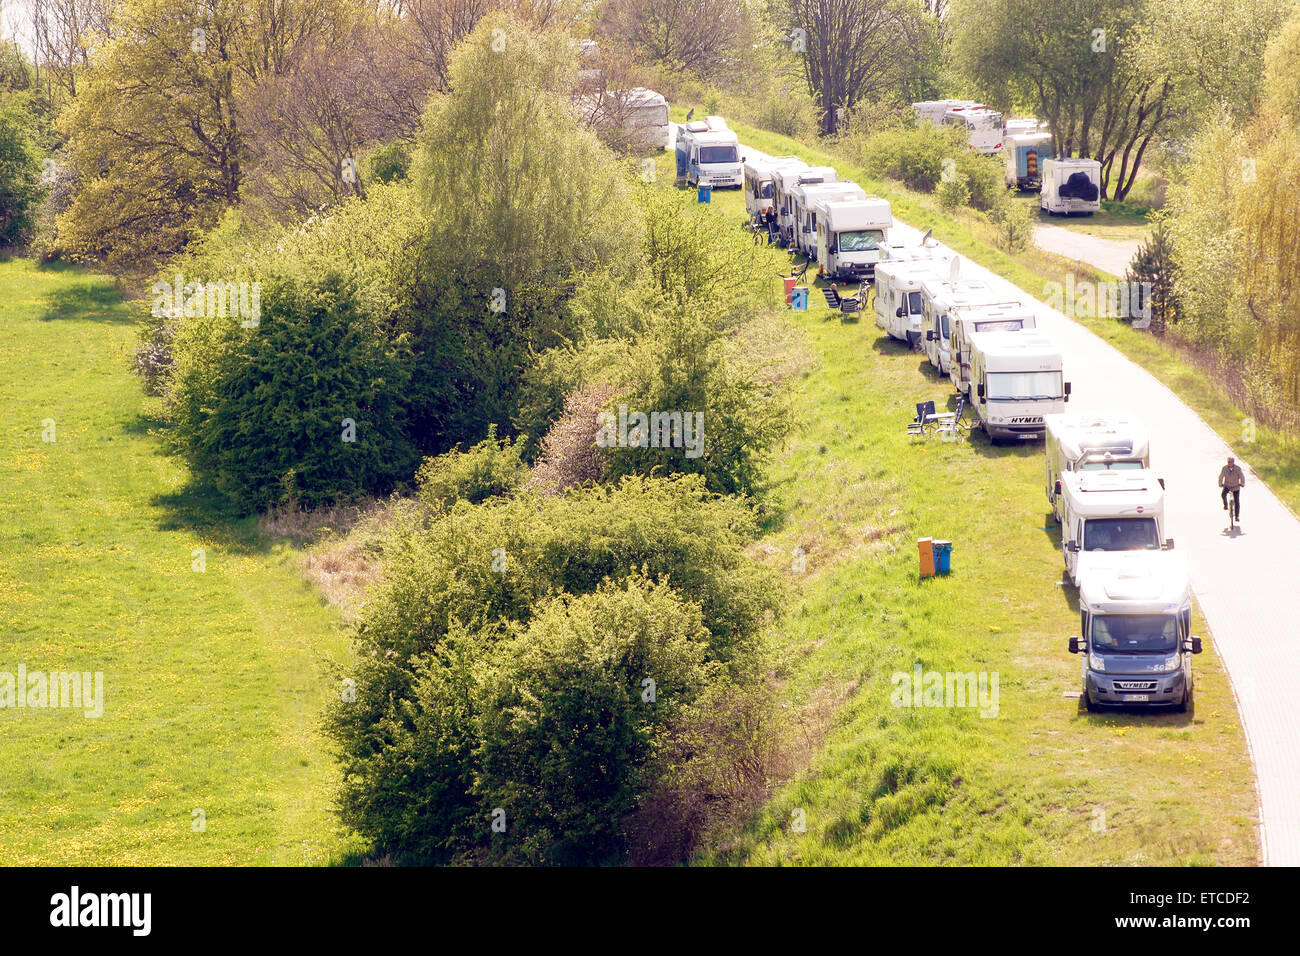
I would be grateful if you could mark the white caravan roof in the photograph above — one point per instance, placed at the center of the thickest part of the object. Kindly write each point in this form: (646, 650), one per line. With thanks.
(1113, 493)
(851, 214)
(1137, 582)
(1094, 436)
(1025, 351)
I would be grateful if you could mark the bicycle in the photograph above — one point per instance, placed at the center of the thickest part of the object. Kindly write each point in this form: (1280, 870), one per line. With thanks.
(1231, 497)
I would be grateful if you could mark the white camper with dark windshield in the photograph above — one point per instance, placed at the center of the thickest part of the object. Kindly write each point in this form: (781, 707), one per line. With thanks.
(708, 154)
(1076, 443)
(1016, 378)
(849, 235)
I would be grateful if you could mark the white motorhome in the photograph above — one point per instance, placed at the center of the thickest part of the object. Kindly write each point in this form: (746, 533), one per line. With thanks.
(809, 199)
(1017, 378)
(758, 181)
(933, 111)
(1025, 151)
(1103, 511)
(982, 126)
(1091, 443)
(966, 319)
(636, 117)
(849, 234)
(1135, 617)
(784, 180)
(1070, 186)
(898, 301)
(708, 154)
(942, 299)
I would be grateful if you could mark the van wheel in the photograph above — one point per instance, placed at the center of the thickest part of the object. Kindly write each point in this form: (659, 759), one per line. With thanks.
(1188, 702)
(1088, 704)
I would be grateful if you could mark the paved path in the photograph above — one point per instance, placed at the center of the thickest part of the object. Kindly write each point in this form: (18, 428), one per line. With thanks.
(1242, 582)
(1108, 255)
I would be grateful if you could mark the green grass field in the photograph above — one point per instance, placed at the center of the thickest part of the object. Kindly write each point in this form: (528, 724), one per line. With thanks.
(1043, 782)
(213, 680)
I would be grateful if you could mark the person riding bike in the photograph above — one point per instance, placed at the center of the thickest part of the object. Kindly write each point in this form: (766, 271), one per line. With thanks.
(1232, 479)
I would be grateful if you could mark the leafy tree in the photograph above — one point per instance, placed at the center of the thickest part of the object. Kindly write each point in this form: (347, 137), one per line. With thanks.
(704, 37)
(20, 170)
(1153, 269)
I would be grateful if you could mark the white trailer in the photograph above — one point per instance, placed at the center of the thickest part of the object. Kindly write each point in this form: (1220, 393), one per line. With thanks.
(898, 302)
(967, 318)
(1070, 186)
(1024, 153)
(982, 127)
(708, 154)
(1077, 443)
(1136, 641)
(1105, 511)
(933, 111)
(940, 297)
(1017, 379)
(849, 235)
(784, 180)
(809, 199)
(758, 181)
(637, 118)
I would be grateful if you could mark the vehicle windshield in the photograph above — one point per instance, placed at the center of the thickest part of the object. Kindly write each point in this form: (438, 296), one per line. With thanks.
(719, 154)
(914, 303)
(943, 323)
(861, 240)
(1120, 534)
(1095, 465)
(1001, 325)
(1023, 386)
(1135, 634)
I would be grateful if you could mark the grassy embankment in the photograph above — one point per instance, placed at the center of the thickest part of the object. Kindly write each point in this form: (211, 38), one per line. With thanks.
(1043, 781)
(213, 680)
(1273, 453)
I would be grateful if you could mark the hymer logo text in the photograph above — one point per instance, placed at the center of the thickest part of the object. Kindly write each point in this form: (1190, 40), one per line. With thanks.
(134, 910)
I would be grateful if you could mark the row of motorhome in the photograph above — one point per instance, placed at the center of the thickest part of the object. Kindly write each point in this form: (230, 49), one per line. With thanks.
(818, 214)
(1066, 186)
(1135, 601)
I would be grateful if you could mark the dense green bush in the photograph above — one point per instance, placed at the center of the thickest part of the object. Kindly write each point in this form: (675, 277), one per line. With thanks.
(985, 179)
(444, 655)
(20, 170)
(308, 406)
(490, 468)
(913, 155)
(953, 191)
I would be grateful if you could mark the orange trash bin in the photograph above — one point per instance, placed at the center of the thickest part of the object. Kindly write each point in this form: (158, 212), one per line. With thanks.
(926, 547)
(790, 282)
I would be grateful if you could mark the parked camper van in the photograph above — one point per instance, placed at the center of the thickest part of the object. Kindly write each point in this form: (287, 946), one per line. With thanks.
(899, 304)
(708, 153)
(967, 318)
(1017, 379)
(933, 111)
(1135, 614)
(849, 234)
(637, 117)
(1077, 443)
(1105, 511)
(811, 198)
(941, 298)
(1071, 186)
(784, 181)
(982, 126)
(1024, 153)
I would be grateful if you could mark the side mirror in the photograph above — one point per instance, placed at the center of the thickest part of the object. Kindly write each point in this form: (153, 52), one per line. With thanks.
(1169, 544)
(1067, 391)
(1072, 547)
(899, 312)
(979, 390)
(929, 335)
(1074, 645)
(1196, 645)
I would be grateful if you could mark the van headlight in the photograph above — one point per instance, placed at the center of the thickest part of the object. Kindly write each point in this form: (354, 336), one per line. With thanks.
(1096, 662)
(1173, 662)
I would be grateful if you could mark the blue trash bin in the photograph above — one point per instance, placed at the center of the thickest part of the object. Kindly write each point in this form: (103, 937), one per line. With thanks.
(942, 557)
(799, 298)
(706, 193)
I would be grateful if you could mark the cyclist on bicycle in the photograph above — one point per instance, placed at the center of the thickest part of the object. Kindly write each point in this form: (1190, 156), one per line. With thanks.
(1232, 478)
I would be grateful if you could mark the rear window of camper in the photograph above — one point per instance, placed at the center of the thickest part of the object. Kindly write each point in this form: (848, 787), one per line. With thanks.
(862, 240)
(719, 154)
(1102, 465)
(1002, 325)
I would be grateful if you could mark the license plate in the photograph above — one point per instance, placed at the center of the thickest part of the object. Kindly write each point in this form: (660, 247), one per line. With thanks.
(1137, 698)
